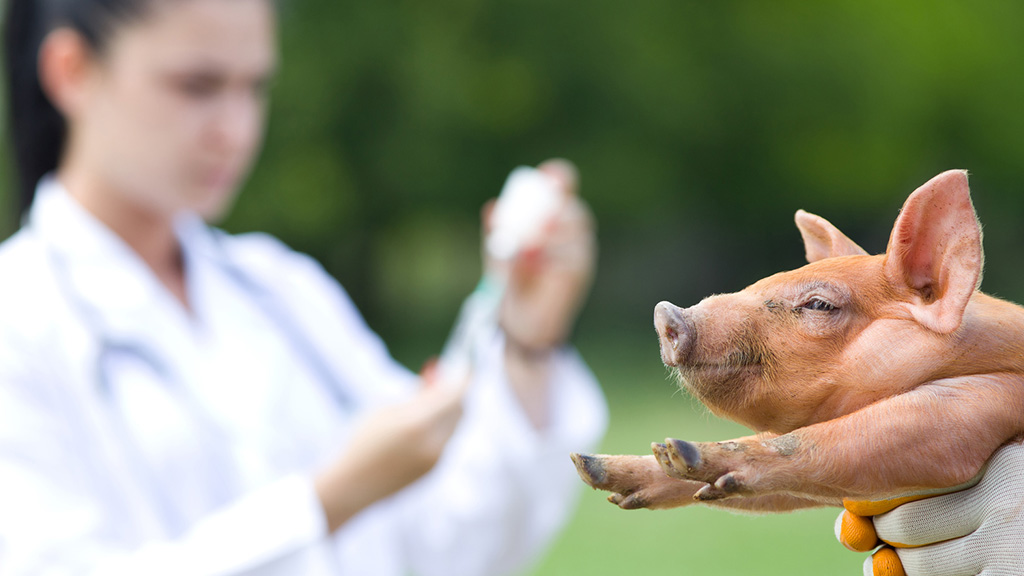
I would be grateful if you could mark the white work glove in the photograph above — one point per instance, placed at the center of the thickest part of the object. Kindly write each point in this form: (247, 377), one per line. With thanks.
(977, 531)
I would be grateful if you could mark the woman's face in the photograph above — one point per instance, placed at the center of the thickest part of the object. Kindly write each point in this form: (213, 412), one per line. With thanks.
(174, 113)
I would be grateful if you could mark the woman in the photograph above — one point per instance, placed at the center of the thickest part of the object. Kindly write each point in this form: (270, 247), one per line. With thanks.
(174, 400)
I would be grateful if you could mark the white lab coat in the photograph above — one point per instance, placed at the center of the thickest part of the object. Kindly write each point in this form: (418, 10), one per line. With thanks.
(136, 438)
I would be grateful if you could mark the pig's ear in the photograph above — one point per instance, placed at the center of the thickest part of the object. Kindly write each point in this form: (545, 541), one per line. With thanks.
(935, 251)
(822, 239)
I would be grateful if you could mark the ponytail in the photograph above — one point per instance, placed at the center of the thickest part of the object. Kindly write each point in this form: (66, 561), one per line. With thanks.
(37, 129)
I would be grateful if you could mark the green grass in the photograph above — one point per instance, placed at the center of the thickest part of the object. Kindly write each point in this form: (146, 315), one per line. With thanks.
(601, 539)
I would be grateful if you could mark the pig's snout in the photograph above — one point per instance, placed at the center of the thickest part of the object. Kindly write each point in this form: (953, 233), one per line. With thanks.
(676, 333)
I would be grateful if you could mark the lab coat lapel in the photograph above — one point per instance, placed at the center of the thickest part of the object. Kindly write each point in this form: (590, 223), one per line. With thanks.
(144, 336)
(113, 288)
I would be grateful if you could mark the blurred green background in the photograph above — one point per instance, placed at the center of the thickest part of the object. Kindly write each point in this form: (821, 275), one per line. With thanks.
(698, 127)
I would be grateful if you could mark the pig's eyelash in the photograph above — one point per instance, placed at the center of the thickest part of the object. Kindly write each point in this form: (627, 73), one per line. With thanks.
(818, 305)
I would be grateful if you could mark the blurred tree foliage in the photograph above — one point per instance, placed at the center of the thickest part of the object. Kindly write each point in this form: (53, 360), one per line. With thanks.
(698, 127)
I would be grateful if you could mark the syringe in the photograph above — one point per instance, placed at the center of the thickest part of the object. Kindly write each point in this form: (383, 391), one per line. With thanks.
(528, 201)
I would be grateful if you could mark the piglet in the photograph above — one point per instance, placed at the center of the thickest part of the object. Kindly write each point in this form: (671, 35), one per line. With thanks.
(864, 377)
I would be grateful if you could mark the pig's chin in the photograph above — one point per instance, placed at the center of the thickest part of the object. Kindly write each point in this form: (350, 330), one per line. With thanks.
(724, 380)
(720, 385)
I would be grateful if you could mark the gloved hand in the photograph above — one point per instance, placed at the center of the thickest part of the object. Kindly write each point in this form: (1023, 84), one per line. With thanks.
(976, 531)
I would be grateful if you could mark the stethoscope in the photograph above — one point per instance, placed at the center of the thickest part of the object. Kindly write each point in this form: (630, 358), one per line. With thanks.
(108, 347)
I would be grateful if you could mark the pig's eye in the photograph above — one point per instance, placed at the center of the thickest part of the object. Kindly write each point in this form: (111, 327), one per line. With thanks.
(819, 305)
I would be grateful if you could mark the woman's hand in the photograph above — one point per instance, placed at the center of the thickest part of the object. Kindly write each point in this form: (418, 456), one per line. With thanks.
(548, 283)
(391, 449)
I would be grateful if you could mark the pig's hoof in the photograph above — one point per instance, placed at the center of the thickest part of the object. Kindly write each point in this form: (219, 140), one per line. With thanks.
(590, 468)
(633, 501)
(633, 481)
(664, 460)
(678, 459)
(725, 487)
(686, 451)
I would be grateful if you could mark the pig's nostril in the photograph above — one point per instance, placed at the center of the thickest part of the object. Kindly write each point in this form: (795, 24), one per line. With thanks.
(674, 331)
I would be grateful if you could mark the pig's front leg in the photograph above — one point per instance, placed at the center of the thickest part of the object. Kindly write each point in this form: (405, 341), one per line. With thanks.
(935, 436)
(729, 469)
(639, 482)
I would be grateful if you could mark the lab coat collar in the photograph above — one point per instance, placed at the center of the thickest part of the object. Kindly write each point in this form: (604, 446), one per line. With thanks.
(103, 272)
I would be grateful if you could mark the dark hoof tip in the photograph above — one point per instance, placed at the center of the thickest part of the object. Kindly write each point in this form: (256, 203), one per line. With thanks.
(687, 451)
(728, 484)
(590, 468)
(628, 501)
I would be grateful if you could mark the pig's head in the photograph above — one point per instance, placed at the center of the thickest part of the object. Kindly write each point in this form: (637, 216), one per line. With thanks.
(843, 331)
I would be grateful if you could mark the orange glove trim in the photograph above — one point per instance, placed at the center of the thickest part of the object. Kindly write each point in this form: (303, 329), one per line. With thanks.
(885, 562)
(857, 531)
(876, 507)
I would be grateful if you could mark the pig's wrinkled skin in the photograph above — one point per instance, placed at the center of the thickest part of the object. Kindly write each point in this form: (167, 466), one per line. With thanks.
(865, 376)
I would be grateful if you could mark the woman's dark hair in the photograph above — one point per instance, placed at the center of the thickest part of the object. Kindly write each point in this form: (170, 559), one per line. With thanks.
(37, 129)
